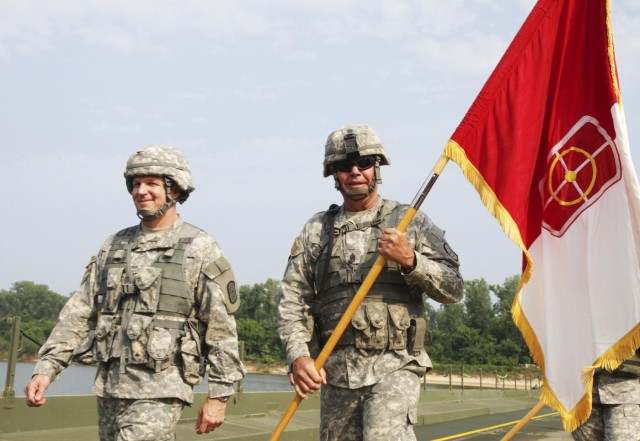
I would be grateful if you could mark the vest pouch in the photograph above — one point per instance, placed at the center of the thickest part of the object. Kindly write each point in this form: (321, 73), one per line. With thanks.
(114, 290)
(417, 335)
(360, 321)
(161, 346)
(193, 362)
(105, 332)
(84, 353)
(371, 326)
(138, 333)
(398, 325)
(192, 373)
(191, 351)
(377, 312)
(148, 280)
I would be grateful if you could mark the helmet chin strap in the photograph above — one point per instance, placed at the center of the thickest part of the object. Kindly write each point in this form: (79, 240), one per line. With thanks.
(148, 215)
(354, 194)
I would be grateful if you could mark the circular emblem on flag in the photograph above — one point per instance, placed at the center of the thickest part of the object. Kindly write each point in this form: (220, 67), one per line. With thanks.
(587, 170)
(580, 168)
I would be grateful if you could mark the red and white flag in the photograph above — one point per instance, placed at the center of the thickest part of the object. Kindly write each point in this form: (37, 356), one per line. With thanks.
(545, 144)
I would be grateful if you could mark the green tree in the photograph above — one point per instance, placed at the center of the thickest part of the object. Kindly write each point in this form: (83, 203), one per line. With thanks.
(512, 347)
(477, 303)
(38, 308)
(448, 319)
(259, 302)
(257, 322)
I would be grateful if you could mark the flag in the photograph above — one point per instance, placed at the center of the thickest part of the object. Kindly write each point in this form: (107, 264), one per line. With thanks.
(545, 145)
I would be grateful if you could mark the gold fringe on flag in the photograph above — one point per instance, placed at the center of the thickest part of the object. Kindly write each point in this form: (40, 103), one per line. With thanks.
(457, 154)
(610, 360)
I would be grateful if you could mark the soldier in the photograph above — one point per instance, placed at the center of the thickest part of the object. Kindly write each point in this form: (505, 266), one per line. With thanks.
(152, 310)
(371, 381)
(615, 412)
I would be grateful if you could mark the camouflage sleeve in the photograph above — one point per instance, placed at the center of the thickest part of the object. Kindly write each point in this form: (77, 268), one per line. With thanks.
(218, 299)
(77, 318)
(437, 268)
(296, 295)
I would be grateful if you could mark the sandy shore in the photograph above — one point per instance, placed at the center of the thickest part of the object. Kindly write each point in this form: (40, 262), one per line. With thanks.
(486, 381)
(456, 380)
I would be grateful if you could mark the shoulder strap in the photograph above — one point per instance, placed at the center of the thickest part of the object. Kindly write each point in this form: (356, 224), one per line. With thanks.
(187, 233)
(328, 222)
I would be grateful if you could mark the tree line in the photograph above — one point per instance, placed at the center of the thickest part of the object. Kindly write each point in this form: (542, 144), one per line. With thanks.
(477, 332)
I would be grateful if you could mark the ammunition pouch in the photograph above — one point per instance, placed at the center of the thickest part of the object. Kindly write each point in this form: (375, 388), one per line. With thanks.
(379, 325)
(193, 359)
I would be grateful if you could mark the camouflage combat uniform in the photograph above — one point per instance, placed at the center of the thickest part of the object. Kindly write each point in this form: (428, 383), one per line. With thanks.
(155, 386)
(615, 413)
(378, 359)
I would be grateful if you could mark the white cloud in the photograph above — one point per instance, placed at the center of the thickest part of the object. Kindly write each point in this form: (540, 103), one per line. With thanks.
(249, 90)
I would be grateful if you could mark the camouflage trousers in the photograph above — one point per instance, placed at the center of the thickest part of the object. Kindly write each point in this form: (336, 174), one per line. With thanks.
(140, 420)
(385, 411)
(610, 422)
(615, 413)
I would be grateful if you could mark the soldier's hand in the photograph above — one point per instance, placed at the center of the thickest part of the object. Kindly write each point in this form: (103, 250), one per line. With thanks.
(210, 415)
(394, 246)
(34, 390)
(304, 377)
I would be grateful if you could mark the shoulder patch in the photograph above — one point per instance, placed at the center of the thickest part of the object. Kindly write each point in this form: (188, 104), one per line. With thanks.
(231, 291)
(450, 252)
(91, 262)
(220, 271)
(295, 247)
(90, 267)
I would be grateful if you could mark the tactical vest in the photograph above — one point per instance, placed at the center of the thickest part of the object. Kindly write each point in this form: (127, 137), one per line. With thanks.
(631, 366)
(146, 315)
(390, 316)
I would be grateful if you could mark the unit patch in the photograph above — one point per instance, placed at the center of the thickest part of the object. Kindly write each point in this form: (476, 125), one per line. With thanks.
(295, 247)
(450, 252)
(231, 290)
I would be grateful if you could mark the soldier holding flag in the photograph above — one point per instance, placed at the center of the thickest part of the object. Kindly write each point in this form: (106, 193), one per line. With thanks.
(371, 382)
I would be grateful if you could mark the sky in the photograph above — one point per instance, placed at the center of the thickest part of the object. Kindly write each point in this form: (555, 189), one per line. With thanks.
(249, 91)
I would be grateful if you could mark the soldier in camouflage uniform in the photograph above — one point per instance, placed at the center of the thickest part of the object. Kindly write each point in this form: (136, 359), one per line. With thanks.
(153, 309)
(615, 412)
(371, 381)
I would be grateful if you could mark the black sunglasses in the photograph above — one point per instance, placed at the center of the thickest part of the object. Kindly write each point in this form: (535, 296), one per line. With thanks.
(363, 163)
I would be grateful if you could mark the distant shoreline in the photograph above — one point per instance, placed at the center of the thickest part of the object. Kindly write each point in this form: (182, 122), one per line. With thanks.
(457, 381)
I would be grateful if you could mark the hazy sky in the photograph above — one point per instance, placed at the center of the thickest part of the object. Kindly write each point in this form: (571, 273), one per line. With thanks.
(249, 90)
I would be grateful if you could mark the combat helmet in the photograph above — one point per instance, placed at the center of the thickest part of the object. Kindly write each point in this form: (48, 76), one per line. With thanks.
(352, 142)
(167, 162)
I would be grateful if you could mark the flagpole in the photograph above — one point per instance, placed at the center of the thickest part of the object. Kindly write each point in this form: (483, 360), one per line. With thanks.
(523, 421)
(373, 274)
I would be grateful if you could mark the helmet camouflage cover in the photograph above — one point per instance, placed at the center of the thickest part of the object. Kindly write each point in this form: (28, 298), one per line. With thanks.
(352, 141)
(158, 160)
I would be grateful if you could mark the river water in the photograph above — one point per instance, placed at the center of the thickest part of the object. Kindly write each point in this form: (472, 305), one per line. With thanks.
(78, 379)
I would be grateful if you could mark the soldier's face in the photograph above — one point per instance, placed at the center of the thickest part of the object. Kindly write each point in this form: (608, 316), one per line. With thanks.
(148, 193)
(355, 179)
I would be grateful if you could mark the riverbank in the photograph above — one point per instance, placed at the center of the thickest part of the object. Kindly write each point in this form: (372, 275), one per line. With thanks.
(456, 380)
(274, 369)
